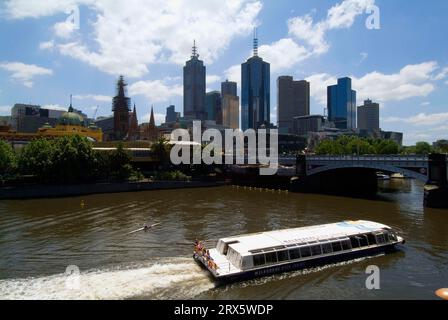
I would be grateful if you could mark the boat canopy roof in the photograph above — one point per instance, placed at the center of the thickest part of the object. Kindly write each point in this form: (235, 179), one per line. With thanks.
(279, 239)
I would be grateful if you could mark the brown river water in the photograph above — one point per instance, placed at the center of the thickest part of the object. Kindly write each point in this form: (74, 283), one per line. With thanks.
(40, 238)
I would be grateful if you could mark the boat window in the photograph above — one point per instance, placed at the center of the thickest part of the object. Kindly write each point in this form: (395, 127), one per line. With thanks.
(362, 240)
(380, 238)
(316, 250)
(259, 260)
(326, 248)
(305, 252)
(271, 257)
(336, 246)
(371, 238)
(354, 242)
(282, 255)
(294, 254)
(346, 245)
(393, 237)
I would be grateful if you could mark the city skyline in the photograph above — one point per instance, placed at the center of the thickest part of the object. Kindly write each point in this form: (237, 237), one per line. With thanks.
(318, 42)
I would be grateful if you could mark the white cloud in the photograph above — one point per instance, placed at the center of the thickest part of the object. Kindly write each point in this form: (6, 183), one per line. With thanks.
(411, 81)
(5, 110)
(159, 118)
(131, 35)
(55, 107)
(422, 119)
(64, 29)
(96, 97)
(233, 73)
(47, 45)
(426, 103)
(341, 15)
(283, 54)
(442, 74)
(210, 79)
(20, 9)
(24, 73)
(156, 90)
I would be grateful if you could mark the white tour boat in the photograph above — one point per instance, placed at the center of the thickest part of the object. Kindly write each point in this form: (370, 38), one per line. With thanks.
(260, 254)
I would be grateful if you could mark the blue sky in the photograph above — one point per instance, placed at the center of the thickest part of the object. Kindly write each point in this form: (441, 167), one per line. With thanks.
(45, 57)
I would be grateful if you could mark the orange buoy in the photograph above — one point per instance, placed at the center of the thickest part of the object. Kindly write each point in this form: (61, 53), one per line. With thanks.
(442, 293)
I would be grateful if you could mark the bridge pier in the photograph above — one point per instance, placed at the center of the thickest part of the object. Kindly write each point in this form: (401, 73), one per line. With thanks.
(436, 189)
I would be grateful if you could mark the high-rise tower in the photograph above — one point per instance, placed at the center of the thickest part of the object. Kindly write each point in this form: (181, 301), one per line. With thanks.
(194, 87)
(255, 91)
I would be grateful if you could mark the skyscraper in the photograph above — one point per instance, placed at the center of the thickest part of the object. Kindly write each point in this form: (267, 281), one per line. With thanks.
(231, 111)
(228, 87)
(171, 114)
(341, 103)
(194, 87)
(293, 100)
(369, 116)
(213, 106)
(255, 91)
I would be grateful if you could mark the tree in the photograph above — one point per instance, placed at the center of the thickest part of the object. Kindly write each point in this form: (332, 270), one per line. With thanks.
(120, 163)
(423, 148)
(8, 161)
(161, 151)
(36, 158)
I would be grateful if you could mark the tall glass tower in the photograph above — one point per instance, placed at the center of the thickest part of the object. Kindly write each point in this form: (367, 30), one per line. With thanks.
(255, 91)
(341, 103)
(194, 88)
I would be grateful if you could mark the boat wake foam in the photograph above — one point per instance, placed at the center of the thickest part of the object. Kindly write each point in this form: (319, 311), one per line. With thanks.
(166, 278)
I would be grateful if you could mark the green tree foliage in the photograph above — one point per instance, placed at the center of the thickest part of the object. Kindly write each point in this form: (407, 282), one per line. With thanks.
(352, 145)
(71, 159)
(161, 151)
(8, 161)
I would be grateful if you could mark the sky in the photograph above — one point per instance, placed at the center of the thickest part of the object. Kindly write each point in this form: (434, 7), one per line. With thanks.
(51, 49)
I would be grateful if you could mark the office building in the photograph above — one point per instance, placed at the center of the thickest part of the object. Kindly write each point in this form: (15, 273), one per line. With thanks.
(194, 88)
(231, 111)
(213, 106)
(303, 125)
(255, 92)
(293, 100)
(229, 87)
(341, 104)
(369, 117)
(171, 114)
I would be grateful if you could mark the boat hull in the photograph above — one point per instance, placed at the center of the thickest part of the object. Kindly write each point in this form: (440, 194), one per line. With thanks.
(297, 265)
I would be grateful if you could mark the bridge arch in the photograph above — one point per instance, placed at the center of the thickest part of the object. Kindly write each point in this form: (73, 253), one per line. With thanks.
(379, 167)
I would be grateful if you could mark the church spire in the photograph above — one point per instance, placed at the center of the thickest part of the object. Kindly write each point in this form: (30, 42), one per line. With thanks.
(70, 109)
(151, 119)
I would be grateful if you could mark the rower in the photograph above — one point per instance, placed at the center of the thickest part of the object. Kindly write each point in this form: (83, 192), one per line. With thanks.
(146, 227)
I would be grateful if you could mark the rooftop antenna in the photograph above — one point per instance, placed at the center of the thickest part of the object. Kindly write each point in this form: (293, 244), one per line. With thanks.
(195, 51)
(255, 43)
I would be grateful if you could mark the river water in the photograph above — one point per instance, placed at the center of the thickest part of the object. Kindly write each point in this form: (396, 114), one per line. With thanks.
(39, 239)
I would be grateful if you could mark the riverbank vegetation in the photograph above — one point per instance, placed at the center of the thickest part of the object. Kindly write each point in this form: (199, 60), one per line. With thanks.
(69, 159)
(352, 145)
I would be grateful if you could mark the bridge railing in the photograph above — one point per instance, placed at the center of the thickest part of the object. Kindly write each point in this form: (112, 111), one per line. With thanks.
(400, 158)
